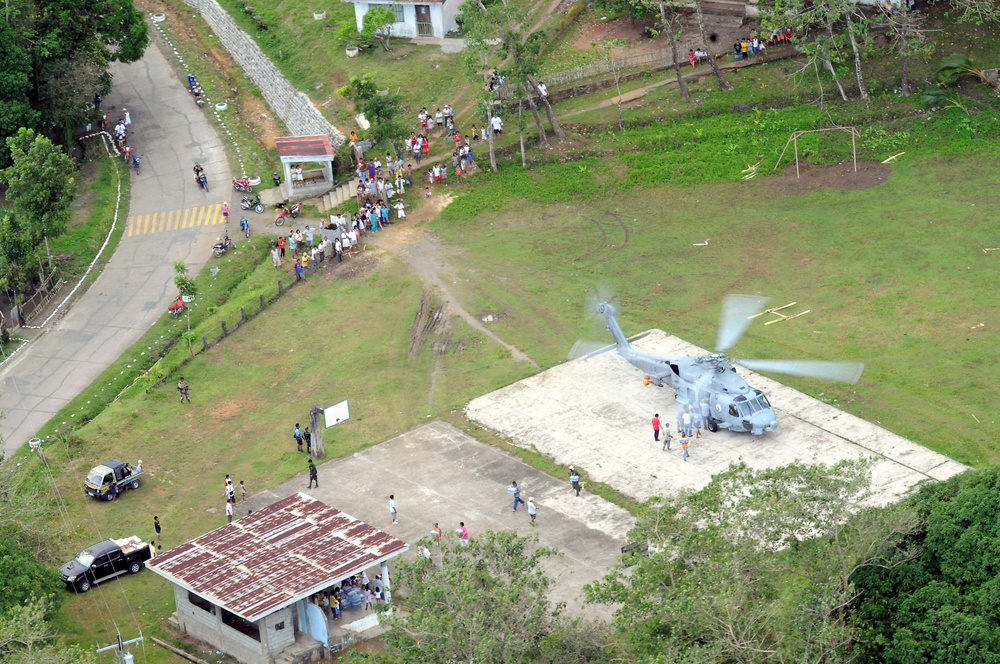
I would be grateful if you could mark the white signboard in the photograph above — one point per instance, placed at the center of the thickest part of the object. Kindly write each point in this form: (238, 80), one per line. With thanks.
(337, 413)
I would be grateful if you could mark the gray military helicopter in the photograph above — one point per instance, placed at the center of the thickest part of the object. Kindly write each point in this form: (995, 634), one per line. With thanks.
(711, 380)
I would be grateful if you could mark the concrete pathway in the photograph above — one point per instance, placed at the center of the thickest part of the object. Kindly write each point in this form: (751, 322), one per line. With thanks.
(170, 133)
(438, 474)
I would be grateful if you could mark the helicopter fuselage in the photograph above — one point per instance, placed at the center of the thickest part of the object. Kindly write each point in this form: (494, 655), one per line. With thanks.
(702, 380)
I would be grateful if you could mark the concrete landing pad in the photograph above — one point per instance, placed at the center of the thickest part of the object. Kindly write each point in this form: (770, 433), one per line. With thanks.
(595, 412)
(439, 474)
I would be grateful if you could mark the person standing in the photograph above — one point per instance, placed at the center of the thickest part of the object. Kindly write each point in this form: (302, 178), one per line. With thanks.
(156, 527)
(706, 412)
(338, 248)
(656, 426)
(313, 476)
(229, 511)
(225, 211)
(184, 388)
(275, 257)
(532, 510)
(437, 534)
(297, 435)
(243, 490)
(515, 491)
(230, 490)
(281, 247)
(667, 438)
(300, 273)
(463, 534)
(686, 421)
(307, 438)
(128, 119)
(685, 441)
(574, 480)
(392, 508)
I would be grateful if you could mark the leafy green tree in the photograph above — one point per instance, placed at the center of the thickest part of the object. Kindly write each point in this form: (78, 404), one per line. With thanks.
(483, 54)
(381, 110)
(944, 605)
(485, 602)
(757, 566)
(41, 185)
(182, 279)
(26, 638)
(907, 38)
(377, 24)
(15, 84)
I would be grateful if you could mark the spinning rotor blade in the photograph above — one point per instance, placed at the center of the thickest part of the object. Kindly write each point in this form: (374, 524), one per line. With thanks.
(736, 312)
(602, 293)
(585, 348)
(847, 372)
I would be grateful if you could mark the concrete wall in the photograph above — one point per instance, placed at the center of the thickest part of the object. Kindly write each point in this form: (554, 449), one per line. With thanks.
(209, 627)
(408, 28)
(295, 108)
(442, 17)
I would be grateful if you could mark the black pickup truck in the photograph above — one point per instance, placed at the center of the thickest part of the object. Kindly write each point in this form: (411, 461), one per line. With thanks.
(106, 560)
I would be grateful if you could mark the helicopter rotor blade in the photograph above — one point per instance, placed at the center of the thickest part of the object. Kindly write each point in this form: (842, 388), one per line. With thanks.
(847, 372)
(603, 292)
(586, 348)
(736, 313)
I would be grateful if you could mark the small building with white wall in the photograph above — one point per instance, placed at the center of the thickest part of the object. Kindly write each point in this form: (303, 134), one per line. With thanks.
(415, 18)
(245, 587)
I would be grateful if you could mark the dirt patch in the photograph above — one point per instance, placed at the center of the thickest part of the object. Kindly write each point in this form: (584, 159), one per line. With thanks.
(841, 176)
(430, 320)
(629, 30)
(232, 408)
(358, 266)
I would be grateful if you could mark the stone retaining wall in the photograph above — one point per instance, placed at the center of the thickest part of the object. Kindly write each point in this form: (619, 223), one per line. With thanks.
(295, 108)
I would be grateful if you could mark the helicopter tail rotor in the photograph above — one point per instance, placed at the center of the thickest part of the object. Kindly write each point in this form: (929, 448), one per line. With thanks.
(847, 372)
(736, 313)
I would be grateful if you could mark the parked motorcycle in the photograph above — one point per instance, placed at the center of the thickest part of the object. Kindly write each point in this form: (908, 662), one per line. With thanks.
(222, 246)
(196, 90)
(285, 211)
(177, 308)
(245, 226)
(252, 204)
(242, 184)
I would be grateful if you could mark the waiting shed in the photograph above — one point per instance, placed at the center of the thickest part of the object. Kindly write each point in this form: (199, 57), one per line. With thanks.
(295, 151)
(244, 587)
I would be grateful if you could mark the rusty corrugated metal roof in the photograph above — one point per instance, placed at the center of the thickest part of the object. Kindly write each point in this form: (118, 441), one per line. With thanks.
(304, 146)
(276, 556)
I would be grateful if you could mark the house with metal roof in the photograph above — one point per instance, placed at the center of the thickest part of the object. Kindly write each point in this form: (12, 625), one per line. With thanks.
(414, 18)
(245, 587)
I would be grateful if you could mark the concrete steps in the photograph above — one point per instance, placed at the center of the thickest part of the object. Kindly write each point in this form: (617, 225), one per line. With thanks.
(343, 193)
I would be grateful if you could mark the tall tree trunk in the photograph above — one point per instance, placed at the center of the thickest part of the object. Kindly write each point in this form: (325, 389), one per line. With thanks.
(905, 83)
(543, 139)
(530, 96)
(556, 129)
(723, 83)
(489, 137)
(674, 35)
(829, 64)
(862, 89)
(681, 83)
(520, 132)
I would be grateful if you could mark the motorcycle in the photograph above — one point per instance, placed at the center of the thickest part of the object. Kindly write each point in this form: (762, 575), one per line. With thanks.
(202, 181)
(135, 163)
(196, 90)
(245, 226)
(285, 211)
(242, 184)
(222, 246)
(252, 204)
(177, 308)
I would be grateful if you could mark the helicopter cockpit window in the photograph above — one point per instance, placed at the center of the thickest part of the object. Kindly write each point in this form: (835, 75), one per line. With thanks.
(742, 406)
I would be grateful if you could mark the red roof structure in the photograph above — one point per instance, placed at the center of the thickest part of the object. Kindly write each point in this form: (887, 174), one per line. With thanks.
(276, 556)
(304, 147)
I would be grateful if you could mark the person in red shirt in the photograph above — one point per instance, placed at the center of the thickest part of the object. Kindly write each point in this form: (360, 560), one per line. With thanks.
(656, 427)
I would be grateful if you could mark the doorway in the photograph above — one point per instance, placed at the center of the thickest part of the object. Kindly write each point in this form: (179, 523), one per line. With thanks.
(424, 27)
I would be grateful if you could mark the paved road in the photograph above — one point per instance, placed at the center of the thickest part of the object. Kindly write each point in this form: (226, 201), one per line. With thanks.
(136, 286)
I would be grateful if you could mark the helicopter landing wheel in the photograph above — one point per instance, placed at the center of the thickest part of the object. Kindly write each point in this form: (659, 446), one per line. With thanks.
(713, 426)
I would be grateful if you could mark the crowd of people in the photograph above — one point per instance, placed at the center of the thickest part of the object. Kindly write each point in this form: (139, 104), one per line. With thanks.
(756, 45)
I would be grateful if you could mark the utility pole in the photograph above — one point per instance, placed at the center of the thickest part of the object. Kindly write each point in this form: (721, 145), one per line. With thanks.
(318, 450)
(122, 655)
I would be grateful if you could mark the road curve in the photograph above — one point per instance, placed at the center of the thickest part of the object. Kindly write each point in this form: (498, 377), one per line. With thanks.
(136, 285)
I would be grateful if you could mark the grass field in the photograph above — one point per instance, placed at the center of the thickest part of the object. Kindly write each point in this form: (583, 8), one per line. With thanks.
(894, 275)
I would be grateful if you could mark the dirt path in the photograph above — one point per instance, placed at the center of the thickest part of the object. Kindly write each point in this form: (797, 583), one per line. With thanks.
(428, 258)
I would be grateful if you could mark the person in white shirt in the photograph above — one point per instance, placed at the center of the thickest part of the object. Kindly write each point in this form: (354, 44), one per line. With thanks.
(542, 89)
(400, 211)
(497, 125)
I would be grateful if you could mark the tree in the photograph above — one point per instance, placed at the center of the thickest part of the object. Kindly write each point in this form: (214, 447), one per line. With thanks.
(15, 84)
(757, 566)
(944, 605)
(377, 24)
(724, 85)
(381, 110)
(608, 46)
(26, 638)
(185, 284)
(907, 37)
(977, 11)
(485, 602)
(41, 185)
(483, 54)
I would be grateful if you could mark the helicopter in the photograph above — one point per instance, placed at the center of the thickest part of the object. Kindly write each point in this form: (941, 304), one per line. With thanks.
(711, 379)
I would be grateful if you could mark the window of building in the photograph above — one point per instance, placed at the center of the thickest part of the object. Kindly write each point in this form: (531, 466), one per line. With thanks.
(201, 603)
(399, 12)
(240, 625)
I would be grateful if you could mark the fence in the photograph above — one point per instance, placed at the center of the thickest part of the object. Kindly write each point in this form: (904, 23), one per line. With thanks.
(45, 291)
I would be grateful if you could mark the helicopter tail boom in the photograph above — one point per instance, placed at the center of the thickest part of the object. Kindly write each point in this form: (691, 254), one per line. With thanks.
(608, 311)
